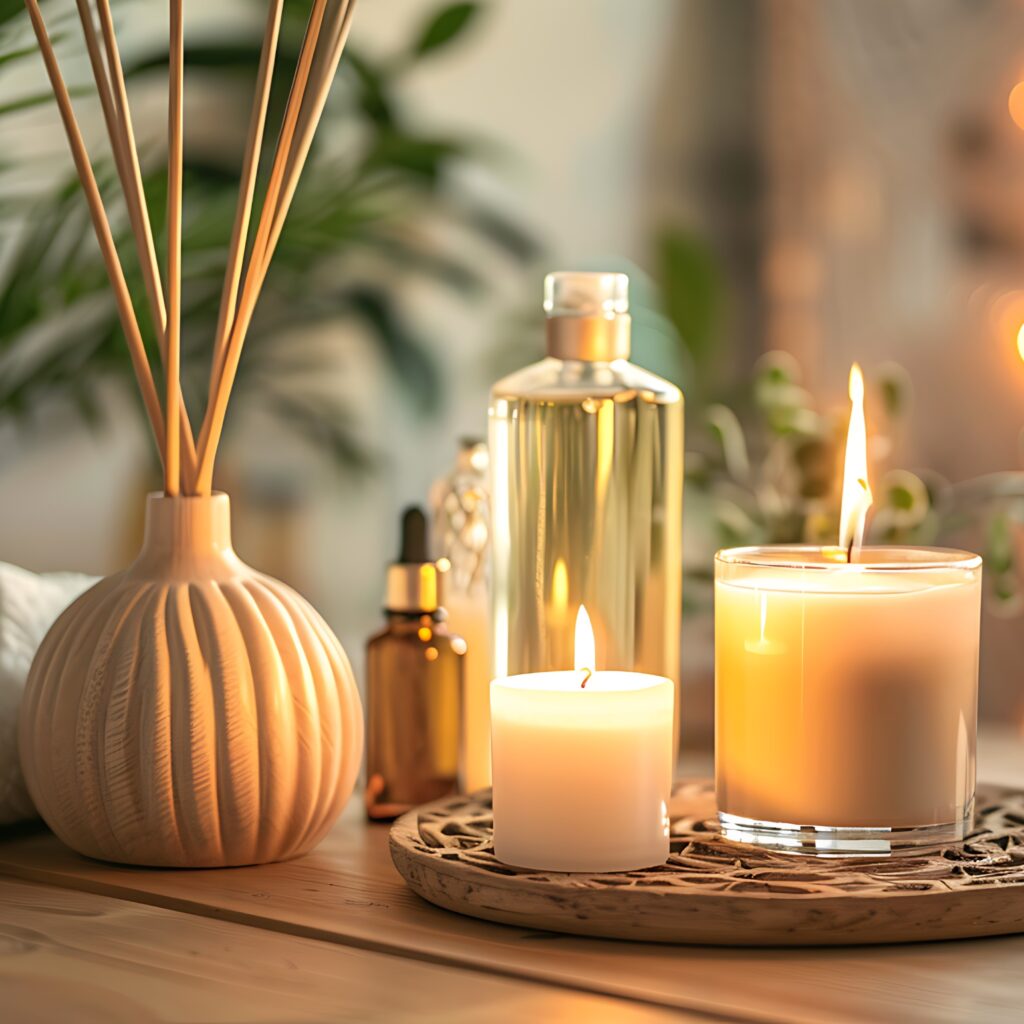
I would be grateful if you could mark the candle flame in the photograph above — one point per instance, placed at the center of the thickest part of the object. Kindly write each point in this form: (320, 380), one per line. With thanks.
(856, 491)
(583, 655)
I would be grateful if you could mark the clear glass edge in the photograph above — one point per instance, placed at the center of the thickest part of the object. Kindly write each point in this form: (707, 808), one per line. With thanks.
(837, 841)
(787, 556)
(534, 682)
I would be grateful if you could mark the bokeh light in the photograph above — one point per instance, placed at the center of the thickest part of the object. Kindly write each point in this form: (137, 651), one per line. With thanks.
(1015, 104)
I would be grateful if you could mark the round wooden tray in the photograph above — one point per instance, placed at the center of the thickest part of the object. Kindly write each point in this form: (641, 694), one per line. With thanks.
(715, 892)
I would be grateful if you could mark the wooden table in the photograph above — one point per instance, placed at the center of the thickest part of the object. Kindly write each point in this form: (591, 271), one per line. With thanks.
(336, 936)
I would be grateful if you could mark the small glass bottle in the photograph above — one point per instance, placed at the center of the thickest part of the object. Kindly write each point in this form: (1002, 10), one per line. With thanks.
(587, 490)
(414, 687)
(460, 508)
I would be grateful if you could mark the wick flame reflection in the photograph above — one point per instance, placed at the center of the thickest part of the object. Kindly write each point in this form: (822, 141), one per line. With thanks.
(560, 588)
(583, 653)
(856, 491)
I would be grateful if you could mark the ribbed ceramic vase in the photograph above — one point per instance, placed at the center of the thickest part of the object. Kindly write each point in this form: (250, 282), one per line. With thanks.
(189, 711)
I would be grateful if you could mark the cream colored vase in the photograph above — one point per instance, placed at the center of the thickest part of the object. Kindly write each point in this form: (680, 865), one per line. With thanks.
(190, 712)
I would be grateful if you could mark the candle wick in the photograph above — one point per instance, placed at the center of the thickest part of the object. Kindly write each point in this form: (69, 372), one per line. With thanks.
(857, 532)
(586, 678)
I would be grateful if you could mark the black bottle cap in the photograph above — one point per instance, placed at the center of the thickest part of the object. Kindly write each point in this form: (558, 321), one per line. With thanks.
(414, 536)
(414, 582)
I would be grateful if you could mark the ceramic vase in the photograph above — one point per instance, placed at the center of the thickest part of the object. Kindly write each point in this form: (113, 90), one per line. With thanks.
(189, 711)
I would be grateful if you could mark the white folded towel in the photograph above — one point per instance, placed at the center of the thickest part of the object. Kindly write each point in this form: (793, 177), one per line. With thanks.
(29, 605)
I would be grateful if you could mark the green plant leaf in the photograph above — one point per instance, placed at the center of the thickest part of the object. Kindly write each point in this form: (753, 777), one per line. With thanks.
(445, 26)
(374, 90)
(10, 9)
(36, 99)
(690, 284)
(424, 157)
(365, 212)
(326, 425)
(999, 557)
(515, 240)
(449, 271)
(725, 428)
(895, 387)
(408, 354)
(815, 460)
(21, 51)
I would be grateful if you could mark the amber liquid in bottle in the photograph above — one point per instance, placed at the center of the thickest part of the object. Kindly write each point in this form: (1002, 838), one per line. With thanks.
(415, 677)
(414, 689)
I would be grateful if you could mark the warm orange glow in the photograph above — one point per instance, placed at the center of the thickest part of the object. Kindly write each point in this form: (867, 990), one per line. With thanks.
(1015, 104)
(1005, 315)
(560, 588)
(856, 491)
(583, 655)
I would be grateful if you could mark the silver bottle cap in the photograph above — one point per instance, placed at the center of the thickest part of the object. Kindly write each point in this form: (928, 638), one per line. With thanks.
(587, 315)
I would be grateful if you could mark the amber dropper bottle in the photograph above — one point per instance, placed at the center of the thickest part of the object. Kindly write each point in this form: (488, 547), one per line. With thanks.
(414, 686)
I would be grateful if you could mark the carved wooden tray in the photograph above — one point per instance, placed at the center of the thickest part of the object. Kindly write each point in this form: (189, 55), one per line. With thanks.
(715, 892)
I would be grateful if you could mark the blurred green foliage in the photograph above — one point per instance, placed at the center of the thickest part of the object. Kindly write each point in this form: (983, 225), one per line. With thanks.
(376, 212)
(764, 463)
(691, 285)
(767, 469)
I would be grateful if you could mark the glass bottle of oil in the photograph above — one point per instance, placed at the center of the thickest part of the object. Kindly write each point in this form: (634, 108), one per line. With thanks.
(414, 687)
(587, 486)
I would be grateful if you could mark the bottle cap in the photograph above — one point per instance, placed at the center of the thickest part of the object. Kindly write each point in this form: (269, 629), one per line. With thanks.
(414, 583)
(587, 315)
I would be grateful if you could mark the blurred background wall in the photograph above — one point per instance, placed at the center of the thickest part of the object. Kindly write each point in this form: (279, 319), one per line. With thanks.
(829, 179)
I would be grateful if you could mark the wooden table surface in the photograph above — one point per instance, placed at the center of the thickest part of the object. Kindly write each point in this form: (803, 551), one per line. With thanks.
(336, 936)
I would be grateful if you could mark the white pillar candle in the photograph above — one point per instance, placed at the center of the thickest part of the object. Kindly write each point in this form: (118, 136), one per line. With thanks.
(582, 766)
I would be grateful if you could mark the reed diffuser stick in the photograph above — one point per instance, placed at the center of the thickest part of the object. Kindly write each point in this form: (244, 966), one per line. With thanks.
(101, 226)
(131, 183)
(247, 187)
(323, 74)
(103, 88)
(176, 60)
(213, 421)
(253, 276)
(280, 190)
(138, 213)
(188, 467)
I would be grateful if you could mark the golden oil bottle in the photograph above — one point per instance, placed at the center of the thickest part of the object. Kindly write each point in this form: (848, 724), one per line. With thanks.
(587, 486)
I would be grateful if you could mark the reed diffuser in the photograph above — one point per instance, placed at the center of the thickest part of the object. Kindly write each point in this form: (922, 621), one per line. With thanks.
(189, 711)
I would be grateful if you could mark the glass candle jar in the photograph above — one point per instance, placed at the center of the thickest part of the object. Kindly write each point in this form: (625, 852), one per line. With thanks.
(846, 697)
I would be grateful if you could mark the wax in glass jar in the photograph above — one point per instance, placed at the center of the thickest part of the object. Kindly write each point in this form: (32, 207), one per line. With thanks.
(846, 697)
